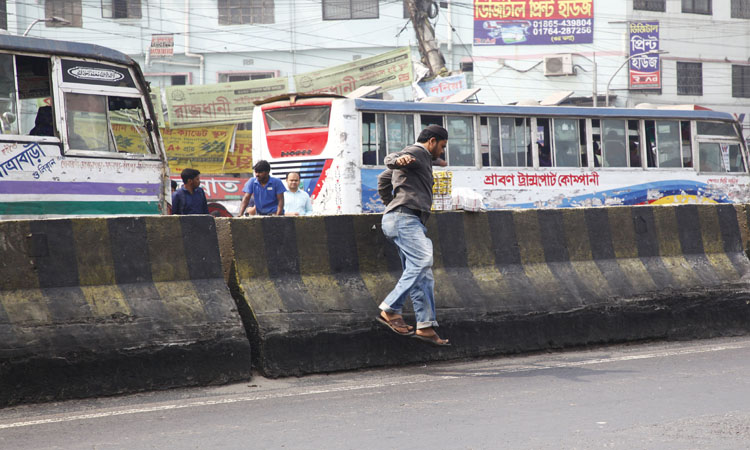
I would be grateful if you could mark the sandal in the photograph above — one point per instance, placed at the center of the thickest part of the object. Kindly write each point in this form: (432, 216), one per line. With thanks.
(396, 325)
(433, 339)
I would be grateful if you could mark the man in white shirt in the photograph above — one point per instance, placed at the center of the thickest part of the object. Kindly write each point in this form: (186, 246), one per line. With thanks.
(296, 201)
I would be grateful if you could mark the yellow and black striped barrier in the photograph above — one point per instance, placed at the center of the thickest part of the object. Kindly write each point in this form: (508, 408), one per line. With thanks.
(109, 305)
(506, 281)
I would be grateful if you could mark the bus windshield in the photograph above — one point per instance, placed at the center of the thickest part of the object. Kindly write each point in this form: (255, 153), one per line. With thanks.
(298, 117)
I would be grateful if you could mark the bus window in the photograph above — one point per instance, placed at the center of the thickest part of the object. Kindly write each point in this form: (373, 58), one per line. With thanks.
(614, 149)
(582, 137)
(650, 149)
(715, 157)
(34, 96)
(668, 143)
(716, 129)
(634, 143)
(427, 120)
(566, 143)
(460, 146)
(596, 140)
(8, 113)
(687, 154)
(129, 125)
(28, 101)
(515, 137)
(543, 143)
(106, 124)
(87, 123)
(489, 133)
(369, 139)
(400, 129)
(298, 117)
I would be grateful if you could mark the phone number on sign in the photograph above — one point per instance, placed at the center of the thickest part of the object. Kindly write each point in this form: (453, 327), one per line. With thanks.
(562, 30)
(562, 23)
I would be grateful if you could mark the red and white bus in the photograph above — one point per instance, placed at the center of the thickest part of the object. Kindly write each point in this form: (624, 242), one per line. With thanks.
(511, 156)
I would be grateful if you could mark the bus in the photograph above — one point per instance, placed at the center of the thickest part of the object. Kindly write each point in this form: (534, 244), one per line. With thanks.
(508, 156)
(79, 134)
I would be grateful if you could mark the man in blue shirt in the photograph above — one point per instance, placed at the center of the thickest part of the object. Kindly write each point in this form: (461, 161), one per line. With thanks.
(266, 191)
(190, 198)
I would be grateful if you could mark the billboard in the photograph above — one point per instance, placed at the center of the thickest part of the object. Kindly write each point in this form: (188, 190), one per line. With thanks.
(645, 69)
(533, 22)
(389, 71)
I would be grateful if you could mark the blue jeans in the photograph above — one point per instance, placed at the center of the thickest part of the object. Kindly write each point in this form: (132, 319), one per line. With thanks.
(415, 250)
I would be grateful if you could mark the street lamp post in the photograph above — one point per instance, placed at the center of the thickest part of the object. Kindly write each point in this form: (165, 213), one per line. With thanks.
(53, 19)
(652, 52)
(593, 75)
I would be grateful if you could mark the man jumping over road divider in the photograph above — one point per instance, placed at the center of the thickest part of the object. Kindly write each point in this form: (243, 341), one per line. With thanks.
(406, 190)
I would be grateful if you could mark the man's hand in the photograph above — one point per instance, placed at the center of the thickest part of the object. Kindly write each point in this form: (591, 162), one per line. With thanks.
(405, 160)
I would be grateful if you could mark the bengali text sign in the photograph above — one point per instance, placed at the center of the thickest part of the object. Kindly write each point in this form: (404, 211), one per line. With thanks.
(533, 22)
(645, 70)
(389, 70)
(222, 103)
(204, 149)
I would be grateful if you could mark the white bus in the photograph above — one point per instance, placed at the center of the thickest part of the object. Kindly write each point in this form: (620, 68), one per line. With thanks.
(513, 156)
(79, 134)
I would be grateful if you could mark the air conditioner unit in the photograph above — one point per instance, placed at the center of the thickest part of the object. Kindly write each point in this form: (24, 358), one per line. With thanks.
(558, 65)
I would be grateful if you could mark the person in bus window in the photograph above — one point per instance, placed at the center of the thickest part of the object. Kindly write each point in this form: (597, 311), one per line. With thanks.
(296, 200)
(43, 122)
(266, 191)
(406, 190)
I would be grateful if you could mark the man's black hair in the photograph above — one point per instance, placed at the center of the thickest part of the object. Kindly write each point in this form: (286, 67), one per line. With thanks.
(174, 185)
(188, 174)
(433, 131)
(262, 166)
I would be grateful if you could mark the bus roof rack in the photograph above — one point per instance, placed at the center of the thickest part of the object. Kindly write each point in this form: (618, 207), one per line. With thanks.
(291, 98)
(363, 91)
(463, 95)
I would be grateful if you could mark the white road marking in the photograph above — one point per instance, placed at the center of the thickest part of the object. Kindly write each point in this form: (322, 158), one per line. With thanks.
(358, 387)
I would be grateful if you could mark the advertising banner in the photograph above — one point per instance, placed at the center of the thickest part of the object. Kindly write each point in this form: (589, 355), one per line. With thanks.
(645, 70)
(533, 22)
(222, 103)
(389, 70)
(444, 87)
(219, 188)
(162, 46)
(240, 160)
(204, 149)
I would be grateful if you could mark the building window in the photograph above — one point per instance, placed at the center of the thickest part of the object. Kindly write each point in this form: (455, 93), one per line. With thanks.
(689, 78)
(178, 80)
(741, 9)
(242, 12)
(696, 6)
(3, 15)
(121, 9)
(69, 10)
(350, 9)
(650, 5)
(741, 81)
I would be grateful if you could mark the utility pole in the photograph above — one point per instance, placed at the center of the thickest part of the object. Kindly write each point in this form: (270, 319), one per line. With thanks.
(420, 12)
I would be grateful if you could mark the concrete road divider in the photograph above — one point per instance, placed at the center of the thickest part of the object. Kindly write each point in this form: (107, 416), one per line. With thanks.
(92, 307)
(506, 281)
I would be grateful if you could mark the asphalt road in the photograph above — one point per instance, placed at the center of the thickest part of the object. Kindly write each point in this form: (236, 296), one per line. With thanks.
(687, 395)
